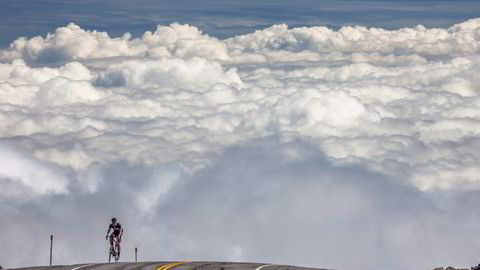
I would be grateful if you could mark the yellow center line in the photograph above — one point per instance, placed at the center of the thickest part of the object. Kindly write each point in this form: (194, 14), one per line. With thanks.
(170, 265)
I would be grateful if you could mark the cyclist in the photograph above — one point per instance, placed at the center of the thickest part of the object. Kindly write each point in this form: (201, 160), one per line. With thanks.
(116, 233)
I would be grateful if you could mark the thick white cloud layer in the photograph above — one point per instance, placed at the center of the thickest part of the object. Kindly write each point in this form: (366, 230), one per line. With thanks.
(78, 108)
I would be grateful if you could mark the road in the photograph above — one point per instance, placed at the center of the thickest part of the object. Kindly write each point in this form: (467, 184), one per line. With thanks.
(173, 265)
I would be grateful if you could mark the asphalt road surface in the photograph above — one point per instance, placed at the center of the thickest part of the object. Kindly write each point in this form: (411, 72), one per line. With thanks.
(178, 265)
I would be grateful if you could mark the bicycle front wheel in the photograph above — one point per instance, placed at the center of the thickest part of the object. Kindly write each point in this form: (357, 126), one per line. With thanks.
(117, 252)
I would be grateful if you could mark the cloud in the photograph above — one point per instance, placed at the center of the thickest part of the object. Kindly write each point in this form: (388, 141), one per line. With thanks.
(266, 201)
(230, 145)
(72, 42)
(24, 177)
(192, 74)
(287, 203)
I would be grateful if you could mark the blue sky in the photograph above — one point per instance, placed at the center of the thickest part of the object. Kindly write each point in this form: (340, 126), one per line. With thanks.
(222, 18)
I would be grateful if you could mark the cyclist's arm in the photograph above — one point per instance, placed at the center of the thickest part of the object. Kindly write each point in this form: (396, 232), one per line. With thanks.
(121, 233)
(108, 232)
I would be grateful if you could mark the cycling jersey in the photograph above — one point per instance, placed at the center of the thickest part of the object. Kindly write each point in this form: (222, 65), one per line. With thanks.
(117, 228)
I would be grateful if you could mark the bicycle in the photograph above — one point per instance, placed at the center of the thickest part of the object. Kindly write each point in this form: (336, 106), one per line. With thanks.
(114, 249)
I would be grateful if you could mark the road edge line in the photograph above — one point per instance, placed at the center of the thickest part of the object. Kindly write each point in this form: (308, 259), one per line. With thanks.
(265, 265)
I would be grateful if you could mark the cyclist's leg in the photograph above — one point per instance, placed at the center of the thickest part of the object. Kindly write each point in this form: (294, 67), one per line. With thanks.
(117, 249)
(116, 246)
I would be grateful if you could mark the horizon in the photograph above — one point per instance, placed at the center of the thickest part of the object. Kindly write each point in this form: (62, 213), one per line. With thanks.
(224, 19)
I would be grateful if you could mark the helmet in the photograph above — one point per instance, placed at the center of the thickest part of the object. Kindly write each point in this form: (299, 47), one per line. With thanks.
(114, 219)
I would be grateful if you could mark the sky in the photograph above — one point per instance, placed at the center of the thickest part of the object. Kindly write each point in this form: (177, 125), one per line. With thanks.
(222, 18)
(334, 134)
